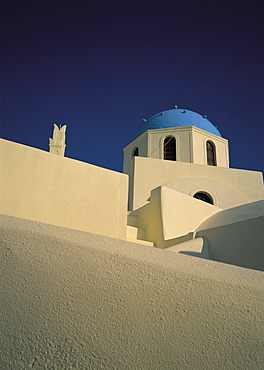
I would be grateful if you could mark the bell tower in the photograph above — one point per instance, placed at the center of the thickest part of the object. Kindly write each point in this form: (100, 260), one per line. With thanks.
(182, 150)
(57, 143)
(178, 135)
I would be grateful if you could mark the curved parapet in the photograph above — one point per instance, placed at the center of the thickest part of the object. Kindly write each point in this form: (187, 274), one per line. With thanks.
(236, 235)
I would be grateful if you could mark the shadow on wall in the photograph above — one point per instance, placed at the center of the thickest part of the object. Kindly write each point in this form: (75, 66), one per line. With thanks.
(236, 236)
(197, 247)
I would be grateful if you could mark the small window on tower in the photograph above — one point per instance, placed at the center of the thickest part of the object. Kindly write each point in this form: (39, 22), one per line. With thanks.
(210, 152)
(135, 152)
(169, 148)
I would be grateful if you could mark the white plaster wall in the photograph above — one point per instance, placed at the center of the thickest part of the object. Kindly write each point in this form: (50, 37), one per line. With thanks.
(182, 214)
(149, 173)
(200, 138)
(74, 300)
(142, 143)
(170, 215)
(182, 137)
(41, 186)
(236, 235)
(223, 195)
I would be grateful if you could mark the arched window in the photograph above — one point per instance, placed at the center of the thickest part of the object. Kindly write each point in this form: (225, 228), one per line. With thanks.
(210, 153)
(135, 152)
(169, 148)
(205, 197)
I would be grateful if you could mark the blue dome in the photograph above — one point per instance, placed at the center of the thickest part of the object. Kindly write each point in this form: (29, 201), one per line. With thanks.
(177, 118)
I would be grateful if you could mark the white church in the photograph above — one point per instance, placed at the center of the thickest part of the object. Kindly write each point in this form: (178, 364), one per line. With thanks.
(158, 267)
(176, 158)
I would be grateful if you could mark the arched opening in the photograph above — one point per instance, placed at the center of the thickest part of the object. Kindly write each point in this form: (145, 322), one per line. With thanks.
(210, 153)
(169, 148)
(135, 152)
(204, 197)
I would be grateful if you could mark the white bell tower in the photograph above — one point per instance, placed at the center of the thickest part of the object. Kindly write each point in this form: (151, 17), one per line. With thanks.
(179, 135)
(57, 143)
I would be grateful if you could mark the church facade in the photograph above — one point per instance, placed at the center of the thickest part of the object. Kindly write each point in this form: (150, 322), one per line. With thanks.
(177, 191)
(179, 177)
(157, 267)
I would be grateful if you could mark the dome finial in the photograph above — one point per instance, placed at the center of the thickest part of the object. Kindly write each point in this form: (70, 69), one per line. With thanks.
(176, 106)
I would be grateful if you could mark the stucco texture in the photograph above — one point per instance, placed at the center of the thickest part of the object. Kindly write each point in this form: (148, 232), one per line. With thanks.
(76, 300)
(45, 187)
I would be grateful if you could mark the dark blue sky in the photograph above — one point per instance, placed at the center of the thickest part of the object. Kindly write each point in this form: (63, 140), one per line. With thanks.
(102, 66)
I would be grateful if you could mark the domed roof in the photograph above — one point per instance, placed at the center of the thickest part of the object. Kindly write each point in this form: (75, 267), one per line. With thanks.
(177, 118)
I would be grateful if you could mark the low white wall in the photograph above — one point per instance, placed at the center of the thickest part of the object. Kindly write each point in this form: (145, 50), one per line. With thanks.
(41, 186)
(74, 300)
